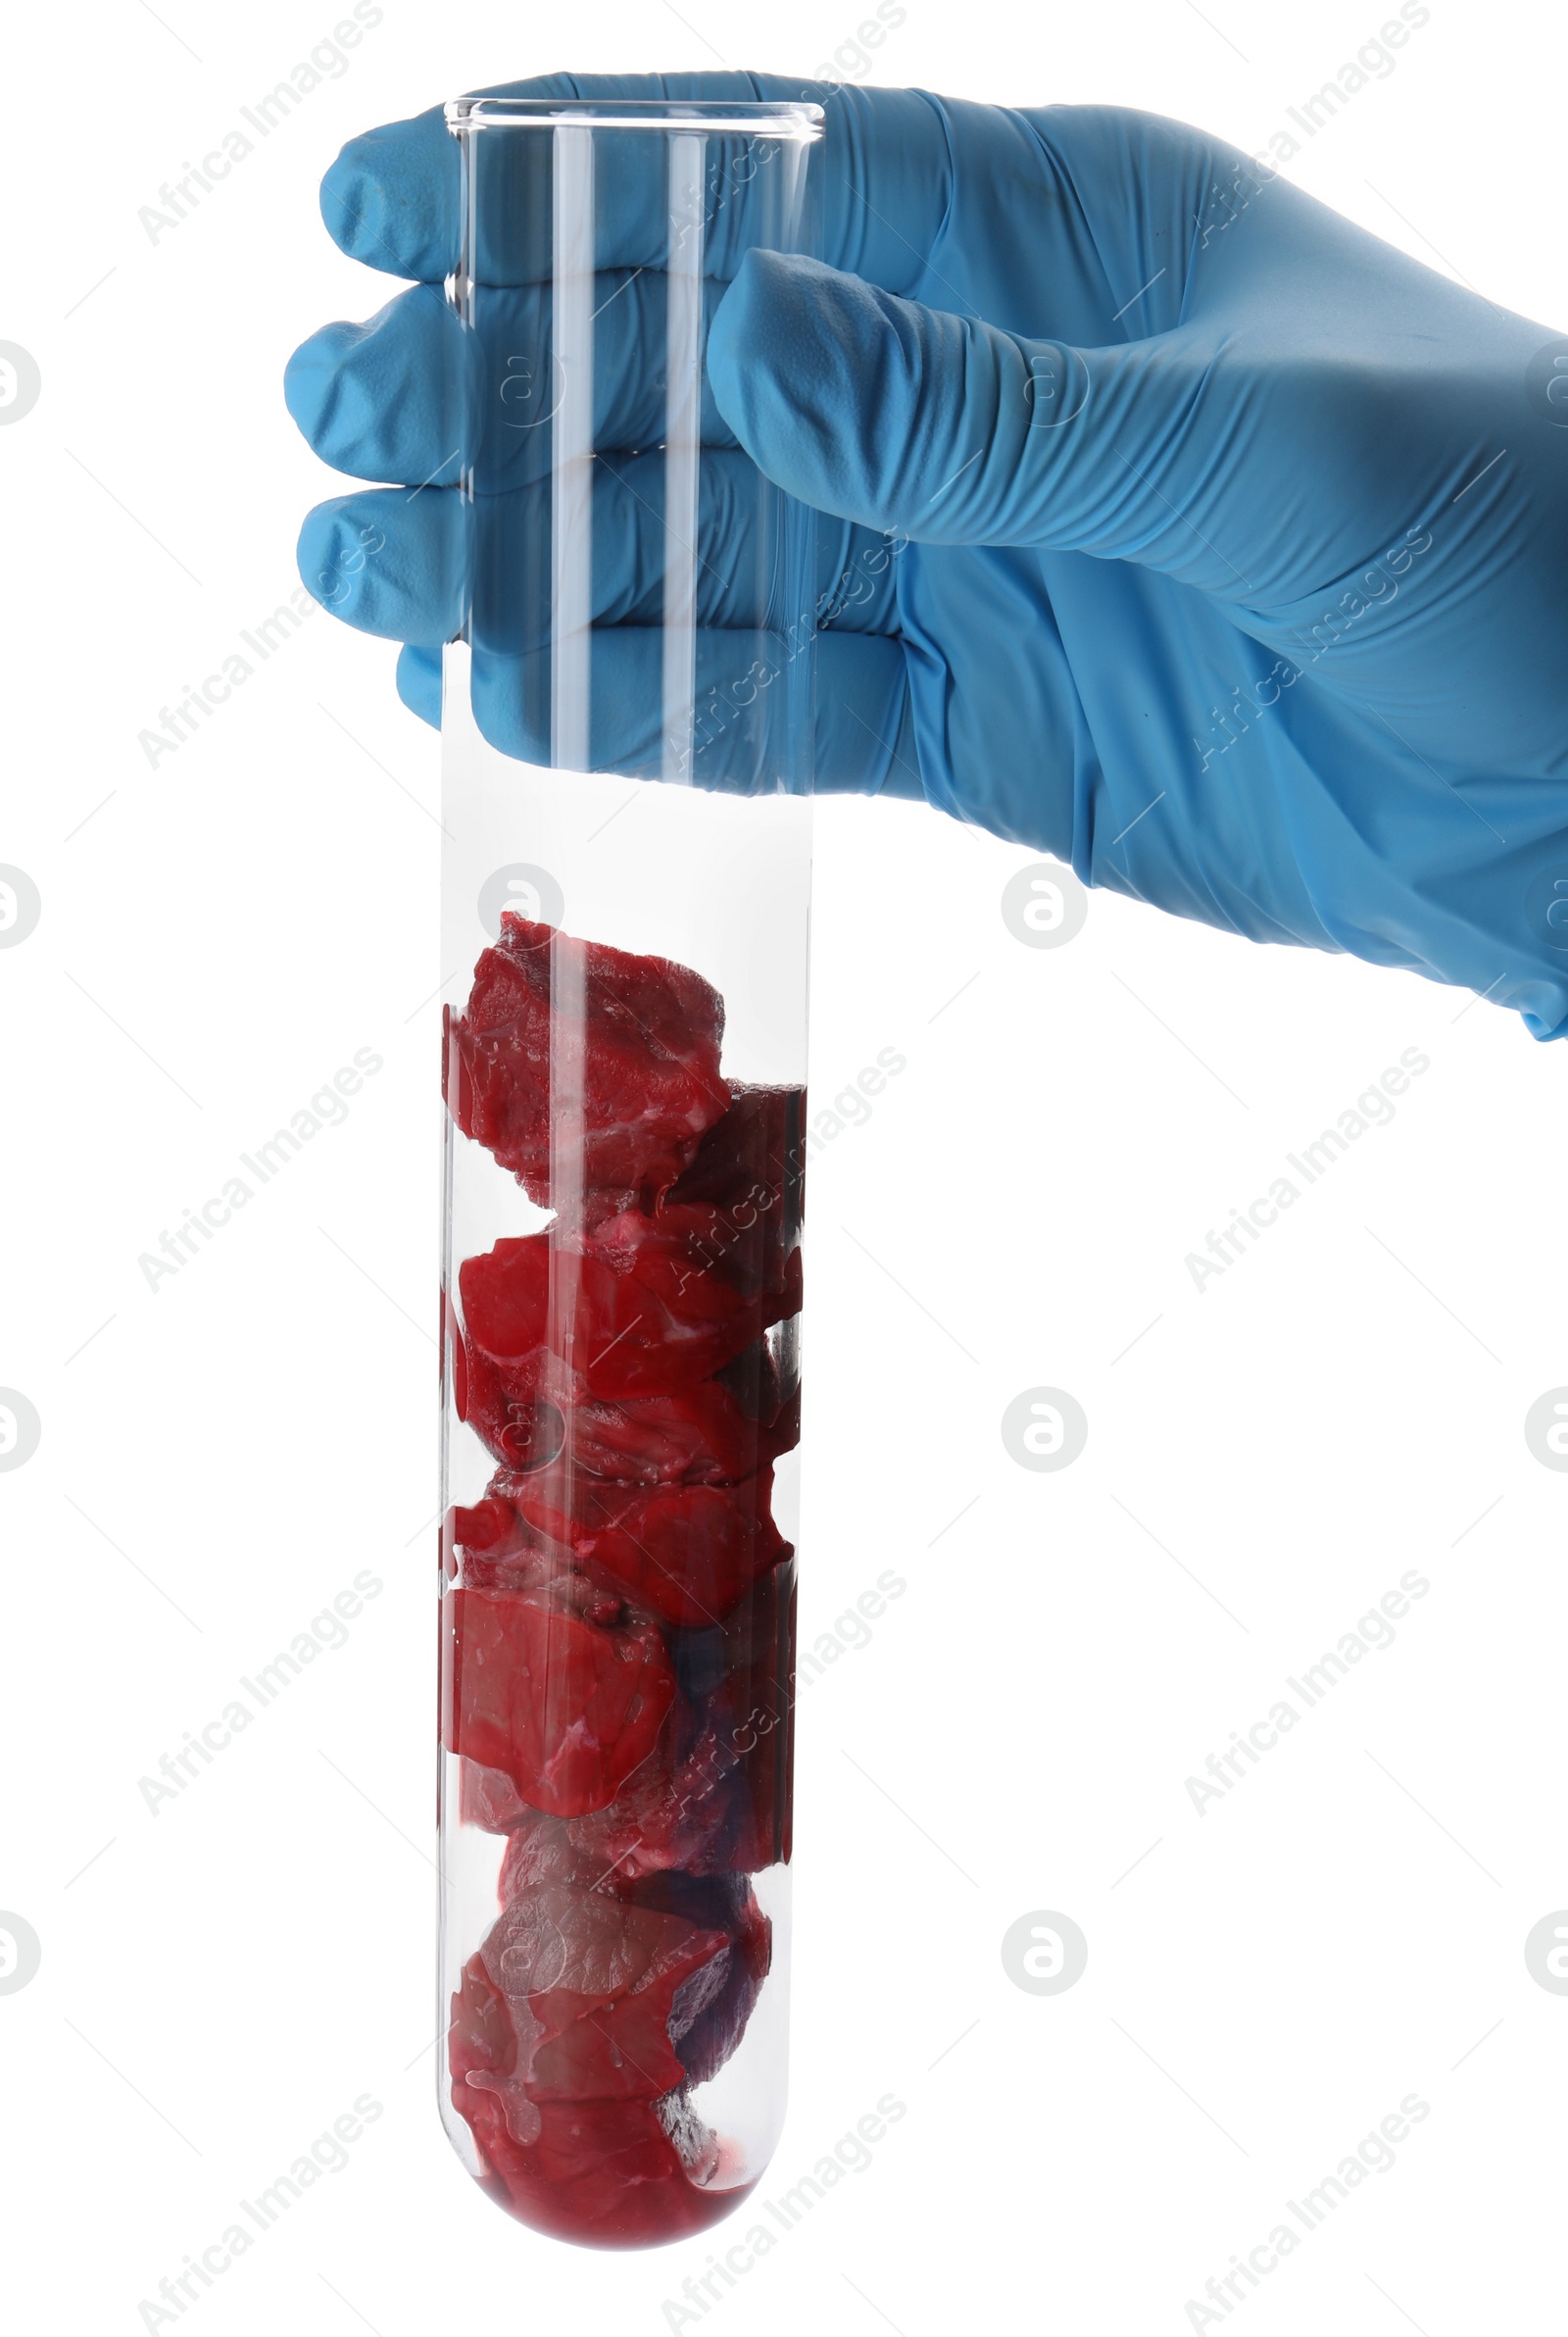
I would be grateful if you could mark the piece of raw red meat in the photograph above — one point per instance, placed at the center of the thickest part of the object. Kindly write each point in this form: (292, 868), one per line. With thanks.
(716, 1903)
(687, 1808)
(751, 1169)
(757, 1148)
(636, 1305)
(738, 1685)
(688, 1551)
(752, 1165)
(551, 1020)
(755, 1715)
(742, 1247)
(702, 1436)
(754, 1380)
(755, 1641)
(540, 1850)
(602, 1989)
(711, 1800)
(714, 1798)
(490, 1546)
(606, 2173)
(488, 1798)
(618, 1631)
(521, 1431)
(715, 1433)
(713, 1793)
(548, 1686)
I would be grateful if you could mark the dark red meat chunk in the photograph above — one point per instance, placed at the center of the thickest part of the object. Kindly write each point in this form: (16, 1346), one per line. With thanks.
(489, 1547)
(688, 1551)
(711, 1793)
(540, 1852)
(607, 2173)
(540, 1849)
(715, 1433)
(689, 1807)
(685, 1810)
(715, 1796)
(758, 1147)
(547, 1685)
(702, 1436)
(716, 1903)
(520, 1431)
(756, 1716)
(599, 1991)
(637, 1305)
(754, 1380)
(551, 1021)
(618, 1631)
(750, 1164)
(488, 1798)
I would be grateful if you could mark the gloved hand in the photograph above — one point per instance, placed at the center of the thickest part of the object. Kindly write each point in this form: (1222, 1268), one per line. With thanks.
(1178, 528)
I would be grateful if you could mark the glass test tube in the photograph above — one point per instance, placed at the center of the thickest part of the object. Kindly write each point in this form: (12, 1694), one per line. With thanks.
(627, 731)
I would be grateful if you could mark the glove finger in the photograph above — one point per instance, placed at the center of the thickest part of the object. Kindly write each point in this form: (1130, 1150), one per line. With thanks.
(398, 564)
(520, 381)
(864, 729)
(397, 398)
(392, 197)
(390, 563)
(418, 679)
(909, 419)
(739, 578)
(413, 396)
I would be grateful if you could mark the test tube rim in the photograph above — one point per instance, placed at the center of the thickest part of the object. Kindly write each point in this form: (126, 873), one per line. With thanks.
(800, 123)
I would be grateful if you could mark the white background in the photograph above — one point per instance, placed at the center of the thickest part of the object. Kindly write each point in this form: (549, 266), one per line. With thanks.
(219, 1982)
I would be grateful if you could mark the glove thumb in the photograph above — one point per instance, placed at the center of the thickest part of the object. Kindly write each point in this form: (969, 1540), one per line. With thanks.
(949, 431)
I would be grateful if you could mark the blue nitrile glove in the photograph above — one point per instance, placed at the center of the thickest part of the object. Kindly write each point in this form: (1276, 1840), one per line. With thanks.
(1181, 528)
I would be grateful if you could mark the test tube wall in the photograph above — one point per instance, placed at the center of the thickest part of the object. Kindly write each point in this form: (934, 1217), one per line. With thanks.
(627, 762)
